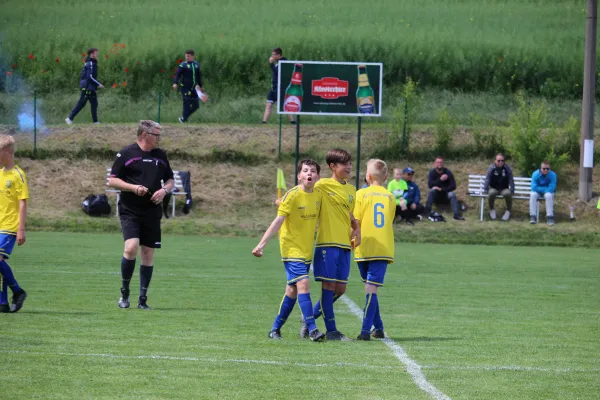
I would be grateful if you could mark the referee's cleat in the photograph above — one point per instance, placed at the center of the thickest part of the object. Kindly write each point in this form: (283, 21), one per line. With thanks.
(303, 329)
(4, 308)
(364, 336)
(378, 334)
(275, 334)
(142, 303)
(337, 335)
(18, 300)
(124, 300)
(316, 336)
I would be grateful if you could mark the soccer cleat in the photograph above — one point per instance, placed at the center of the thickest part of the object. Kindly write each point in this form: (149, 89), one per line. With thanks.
(337, 335)
(459, 218)
(180, 119)
(142, 303)
(506, 216)
(493, 214)
(69, 121)
(4, 308)
(303, 329)
(124, 300)
(293, 122)
(316, 336)
(275, 334)
(550, 221)
(18, 300)
(364, 336)
(532, 219)
(378, 334)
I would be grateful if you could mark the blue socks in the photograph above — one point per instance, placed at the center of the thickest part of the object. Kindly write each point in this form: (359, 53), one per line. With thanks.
(317, 310)
(371, 307)
(3, 291)
(377, 319)
(8, 278)
(327, 307)
(307, 310)
(285, 309)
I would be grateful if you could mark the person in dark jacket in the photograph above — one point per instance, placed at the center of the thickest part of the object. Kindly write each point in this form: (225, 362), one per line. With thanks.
(499, 182)
(412, 197)
(442, 185)
(276, 56)
(88, 83)
(189, 79)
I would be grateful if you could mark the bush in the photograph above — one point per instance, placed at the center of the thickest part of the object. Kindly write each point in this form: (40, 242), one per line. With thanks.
(533, 137)
(445, 127)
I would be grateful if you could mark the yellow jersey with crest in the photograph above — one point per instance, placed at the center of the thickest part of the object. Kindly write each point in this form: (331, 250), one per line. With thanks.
(338, 202)
(375, 209)
(297, 234)
(13, 187)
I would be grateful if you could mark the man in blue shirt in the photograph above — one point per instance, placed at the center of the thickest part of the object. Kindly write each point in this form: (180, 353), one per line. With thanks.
(412, 196)
(543, 184)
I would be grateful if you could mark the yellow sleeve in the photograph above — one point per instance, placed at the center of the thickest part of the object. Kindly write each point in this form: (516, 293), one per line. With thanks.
(286, 205)
(21, 189)
(358, 207)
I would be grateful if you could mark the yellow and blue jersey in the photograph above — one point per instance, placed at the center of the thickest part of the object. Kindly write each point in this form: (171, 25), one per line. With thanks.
(375, 209)
(13, 188)
(297, 234)
(338, 202)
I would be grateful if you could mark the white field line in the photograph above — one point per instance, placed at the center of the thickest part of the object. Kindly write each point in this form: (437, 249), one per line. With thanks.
(196, 359)
(411, 365)
(518, 368)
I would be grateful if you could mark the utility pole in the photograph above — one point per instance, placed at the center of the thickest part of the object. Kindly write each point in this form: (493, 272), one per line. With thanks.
(586, 157)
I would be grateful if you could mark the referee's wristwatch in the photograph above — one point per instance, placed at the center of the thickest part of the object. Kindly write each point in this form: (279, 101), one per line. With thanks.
(166, 191)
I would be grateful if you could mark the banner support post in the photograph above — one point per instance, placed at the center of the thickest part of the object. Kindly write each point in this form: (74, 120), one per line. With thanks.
(297, 147)
(358, 153)
(279, 145)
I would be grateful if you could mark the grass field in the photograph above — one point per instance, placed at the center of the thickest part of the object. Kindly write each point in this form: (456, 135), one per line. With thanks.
(474, 45)
(522, 327)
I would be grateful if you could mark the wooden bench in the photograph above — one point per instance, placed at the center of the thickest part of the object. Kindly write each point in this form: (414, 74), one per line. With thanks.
(522, 191)
(177, 190)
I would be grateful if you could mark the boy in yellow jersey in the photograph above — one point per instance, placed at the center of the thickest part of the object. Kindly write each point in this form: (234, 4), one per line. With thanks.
(336, 228)
(13, 212)
(374, 209)
(297, 217)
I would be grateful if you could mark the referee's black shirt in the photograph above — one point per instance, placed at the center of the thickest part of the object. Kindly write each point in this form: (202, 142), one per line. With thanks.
(146, 168)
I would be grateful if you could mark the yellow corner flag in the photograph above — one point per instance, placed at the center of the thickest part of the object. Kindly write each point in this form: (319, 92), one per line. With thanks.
(280, 182)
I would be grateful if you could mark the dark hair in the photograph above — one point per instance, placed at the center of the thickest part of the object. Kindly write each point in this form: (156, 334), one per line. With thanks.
(91, 50)
(190, 52)
(337, 156)
(278, 51)
(310, 163)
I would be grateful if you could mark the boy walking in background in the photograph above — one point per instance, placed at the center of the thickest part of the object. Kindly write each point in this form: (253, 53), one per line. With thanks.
(374, 210)
(297, 217)
(336, 228)
(88, 84)
(13, 213)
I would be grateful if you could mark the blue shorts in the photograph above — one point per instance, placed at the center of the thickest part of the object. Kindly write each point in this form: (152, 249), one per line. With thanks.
(331, 264)
(296, 271)
(7, 243)
(373, 272)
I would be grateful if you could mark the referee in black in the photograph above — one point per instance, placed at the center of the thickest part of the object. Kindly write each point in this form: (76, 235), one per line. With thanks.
(144, 176)
(188, 78)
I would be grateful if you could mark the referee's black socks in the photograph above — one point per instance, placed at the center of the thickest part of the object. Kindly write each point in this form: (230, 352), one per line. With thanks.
(127, 268)
(145, 278)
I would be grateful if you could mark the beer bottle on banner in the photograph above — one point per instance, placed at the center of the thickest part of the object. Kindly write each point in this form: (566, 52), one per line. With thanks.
(365, 97)
(294, 92)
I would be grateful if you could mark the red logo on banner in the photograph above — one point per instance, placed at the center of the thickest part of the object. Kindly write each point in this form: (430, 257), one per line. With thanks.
(330, 88)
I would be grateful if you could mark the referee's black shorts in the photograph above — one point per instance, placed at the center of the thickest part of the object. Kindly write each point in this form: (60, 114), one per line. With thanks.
(141, 225)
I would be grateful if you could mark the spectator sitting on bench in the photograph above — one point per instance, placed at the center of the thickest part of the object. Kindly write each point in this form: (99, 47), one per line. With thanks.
(442, 185)
(499, 182)
(412, 197)
(397, 187)
(543, 184)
